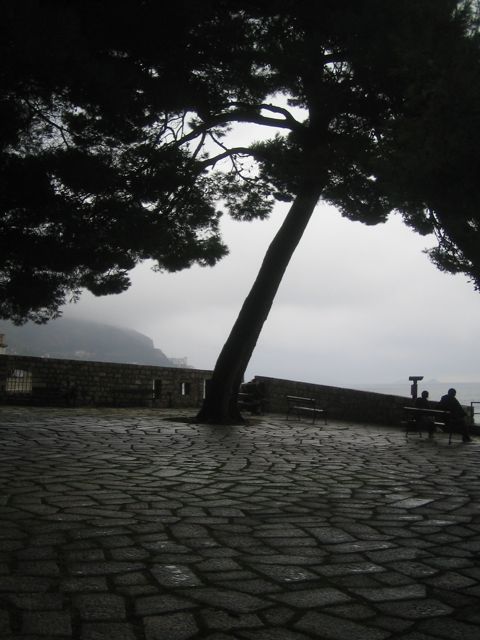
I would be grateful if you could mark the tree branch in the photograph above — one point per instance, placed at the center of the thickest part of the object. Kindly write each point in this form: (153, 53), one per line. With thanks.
(249, 114)
(289, 121)
(42, 116)
(229, 153)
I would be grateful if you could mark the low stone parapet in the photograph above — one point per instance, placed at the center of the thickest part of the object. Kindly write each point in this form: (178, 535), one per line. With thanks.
(28, 380)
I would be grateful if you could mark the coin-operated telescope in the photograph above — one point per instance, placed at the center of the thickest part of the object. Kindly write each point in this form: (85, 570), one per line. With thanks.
(414, 387)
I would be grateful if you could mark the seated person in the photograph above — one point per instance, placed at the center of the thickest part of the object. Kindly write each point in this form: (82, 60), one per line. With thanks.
(252, 396)
(456, 420)
(425, 422)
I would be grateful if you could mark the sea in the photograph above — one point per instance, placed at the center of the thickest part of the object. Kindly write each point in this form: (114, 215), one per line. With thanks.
(467, 392)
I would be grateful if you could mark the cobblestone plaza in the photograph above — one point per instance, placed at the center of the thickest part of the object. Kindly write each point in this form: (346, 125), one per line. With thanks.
(137, 525)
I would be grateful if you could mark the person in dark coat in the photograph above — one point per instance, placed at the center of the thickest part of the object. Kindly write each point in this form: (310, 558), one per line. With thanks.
(456, 420)
(425, 422)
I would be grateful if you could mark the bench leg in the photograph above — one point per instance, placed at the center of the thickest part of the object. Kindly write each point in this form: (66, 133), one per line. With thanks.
(324, 417)
(408, 431)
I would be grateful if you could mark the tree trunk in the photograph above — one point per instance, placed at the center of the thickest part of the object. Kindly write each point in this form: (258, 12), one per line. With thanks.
(220, 404)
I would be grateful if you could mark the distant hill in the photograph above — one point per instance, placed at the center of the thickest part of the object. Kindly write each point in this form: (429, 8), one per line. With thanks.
(82, 340)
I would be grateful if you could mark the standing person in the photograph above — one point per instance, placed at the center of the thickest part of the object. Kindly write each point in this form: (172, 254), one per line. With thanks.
(425, 421)
(456, 420)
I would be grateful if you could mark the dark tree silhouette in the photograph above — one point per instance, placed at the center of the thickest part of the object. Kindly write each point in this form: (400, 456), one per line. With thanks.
(92, 180)
(372, 105)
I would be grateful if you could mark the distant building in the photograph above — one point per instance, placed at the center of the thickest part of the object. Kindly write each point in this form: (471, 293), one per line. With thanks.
(180, 362)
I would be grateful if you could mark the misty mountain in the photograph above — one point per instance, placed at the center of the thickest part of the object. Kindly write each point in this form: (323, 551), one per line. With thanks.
(82, 340)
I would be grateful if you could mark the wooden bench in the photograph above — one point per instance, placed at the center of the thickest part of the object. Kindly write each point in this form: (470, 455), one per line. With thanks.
(298, 406)
(413, 420)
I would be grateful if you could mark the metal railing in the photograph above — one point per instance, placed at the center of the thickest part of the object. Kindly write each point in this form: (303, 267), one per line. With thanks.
(472, 409)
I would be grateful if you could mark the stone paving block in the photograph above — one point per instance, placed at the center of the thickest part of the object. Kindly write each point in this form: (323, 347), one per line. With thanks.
(330, 535)
(225, 577)
(218, 564)
(100, 606)
(36, 601)
(114, 542)
(392, 578)
(11, 545)
(416, 609)
(215, 619)
(358, 546)
(352, 611)
(85, 555)
(226, 512)
(80, 545)
(450, 562)
(333, 628)
(292, 545)
(392, 623)
(358, 581)
(37, 553)
(397, 553)
(392, 593)
(287, 573)
(131, 578)
(103, 568)
(164, 546)
(187, 530)
(255, 586)
(175, 558)
(46, 623)
(38, 568)
(174, 575)
(275, 633)
(108, 631)
(97, 532)
(310, 598)
(349, 568)
(362, 531)
(277, 559)
(457, 600)
(281, 531)
(89, 583)
(49, 538)
(449, 628)
(451, 580)
(176, 626)
(161, 603)
(413, 569)
(278, 616)
(235, 601)
(22, 584)
(5, 628)
(129, 553)
(416, 635)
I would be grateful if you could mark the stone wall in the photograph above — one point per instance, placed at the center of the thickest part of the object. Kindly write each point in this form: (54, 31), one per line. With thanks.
(53, 382)
(341, 404)
(48, 381)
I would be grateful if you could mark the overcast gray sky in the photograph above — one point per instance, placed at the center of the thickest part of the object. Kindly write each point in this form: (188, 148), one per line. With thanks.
(358, 305)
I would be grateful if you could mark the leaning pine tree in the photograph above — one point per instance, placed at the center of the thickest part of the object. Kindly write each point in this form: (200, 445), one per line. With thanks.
(390, 93)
